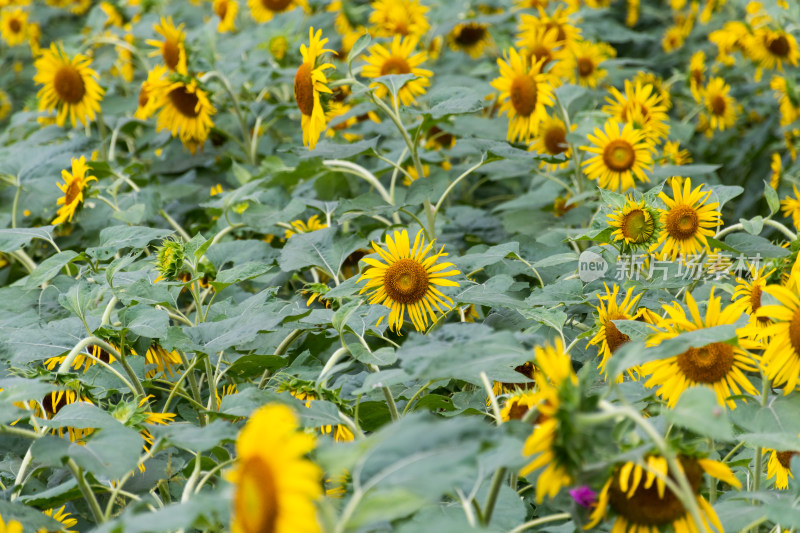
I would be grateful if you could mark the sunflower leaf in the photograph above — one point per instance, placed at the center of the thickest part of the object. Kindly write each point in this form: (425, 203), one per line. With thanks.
(698, 410)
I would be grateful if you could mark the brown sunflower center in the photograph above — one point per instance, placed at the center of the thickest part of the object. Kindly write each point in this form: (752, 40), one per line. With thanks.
(779, 46)
(276, 5)
(794, 331)
(406, 281)
(68, 83)
(637, 226)
(184, 101)
(524, 94)
(470, 34)
(619, 155)
(541, 52)
(682, 222)
(143, 97)
(51, 407)
(718, 105)
(561, 34)
(785, 458)
(708, 364)
(100, 353)
(755, 297)
(171, 52)
(614, 337)
(221, 9)
(645, 506)
(555, 140)
(585, 66)
(15, 25)
(304, 89)
(697, 76)
(256, 500)
(72, 192)
(395, 65)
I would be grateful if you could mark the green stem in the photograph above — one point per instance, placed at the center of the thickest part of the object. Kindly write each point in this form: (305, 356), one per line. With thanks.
(245, 132)
(541, 521)
(193, 385)
(456, 182)
(416, 394)
(87, 492)
(15, 204)
(492, 398)
(177, 227)
(494, 491)
(387, 394)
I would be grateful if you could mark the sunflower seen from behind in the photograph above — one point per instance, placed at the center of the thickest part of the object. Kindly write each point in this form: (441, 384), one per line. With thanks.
(622, 154)
(310, 82)
(275, 485)
(69, 86)
(688, 220)
(719, 366)
(172, 47)
(73, 187)
(407, 280)
(399, 58)
(525, 91)
(265, 10)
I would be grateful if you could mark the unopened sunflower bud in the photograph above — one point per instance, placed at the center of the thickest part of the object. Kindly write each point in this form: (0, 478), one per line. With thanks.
(169, 258)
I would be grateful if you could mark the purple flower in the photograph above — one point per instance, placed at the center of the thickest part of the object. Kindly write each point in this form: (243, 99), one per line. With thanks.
(584, 496)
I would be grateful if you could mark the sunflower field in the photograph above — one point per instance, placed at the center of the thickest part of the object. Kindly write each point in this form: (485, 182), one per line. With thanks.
(351, 266)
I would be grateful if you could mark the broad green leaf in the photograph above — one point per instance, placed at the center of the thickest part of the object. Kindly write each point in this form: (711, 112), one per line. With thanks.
(145, 320)
(384, 505)
(698, 410)
(116, 238)
(322, 248)
(12, 239)
(49, 268)
(196, 438)
(238, 273)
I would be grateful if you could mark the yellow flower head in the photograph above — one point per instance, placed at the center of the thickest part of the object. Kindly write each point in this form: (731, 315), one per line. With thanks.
(748, 293)
(60, 515)
(73, 187)
(147, 104)
(720, 107)
(581, 63)
(473, 38)
(313, 224)
(226, 11)
(172, 48)
(399, 17)
(688, 220)
(772, 49)
(185, 110)
(641, 106)
(398, 59)
(408, 280)
(69, 85)
(620, 155)
(265, 10)
(673, 154)
(552, 141)
(5, 104)
(14, 26)
(780, 467)
(309, 82)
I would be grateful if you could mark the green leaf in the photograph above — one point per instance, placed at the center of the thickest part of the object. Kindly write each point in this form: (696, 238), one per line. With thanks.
(145, 321)
(714, 243)
(31, 519)
(667, 171)
(331, 150)
(12, 239)
(322, 248)
(753, 245)
(384, 505)
(754, 225)
(771, 195)
(49, 268)
(491, 255)
(458, 101)
(381, 357)
(395, 82)
(359, 46)
(492, 293)
(698, 410)
(196, 438)
(245, 271)
(115, 238)
(196, 247)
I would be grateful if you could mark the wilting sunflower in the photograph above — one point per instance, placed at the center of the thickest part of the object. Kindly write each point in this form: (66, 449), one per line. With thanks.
(608, 338)
(640, 105)
(226, 11)
(748, 293)
(644, 504)
(275, 485)
(518, 404)
(688, 220)
(780, 467)
(719, 104)
(581, 63)
(772, 49)
(185, 109)
(781, 358)
(791, 206)
(524, 92)
(552, 140)
(719, 366)
(309, 82)
(408, 280)
(472, 38)
(14, 26)
(70, 85)
(60, 515)
(265, 10)
(398, 59)
(172, 49)
(5, 104)
(300, 226)
(557, 367)
(73, 187)
(399, 17)
(636, 223)
(621, 155)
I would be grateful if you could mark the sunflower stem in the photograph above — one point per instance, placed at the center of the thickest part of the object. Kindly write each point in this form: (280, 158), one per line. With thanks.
(416, 395)
(541, 521)
(87, 492)
(492, 398)
(189, 372)
(357, 170)
(456, 182)
(387, 393)
(494, 490)
(177, 227)
(15, 204)
(246, 138)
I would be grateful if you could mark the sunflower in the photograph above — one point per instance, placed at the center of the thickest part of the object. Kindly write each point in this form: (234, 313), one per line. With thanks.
(787, 101)
(640, 105)
(559, 20)
(313, 224)
(581, 63)
(265, 10)
(780, 467)
(557, 367)
(185, 110)
(399, 17)
(518, 404)
(719, 366)
(123, 66)
(69, 85)
(275, 485)
(147, 105)
(644, 504)
(748, 293)
(526, 369)
(408, 280)
(340, 432)
(697, 74)
(14, 26)
(309, 82)
(524, 92)
(398, 59)
(772, 49)
(608, 338)
(660, 87)
(791, 206)
(688, 220)
(113, 15)
(781, 358)
(12, 526)
(226, 11)
(60, 515)
(551, 140)
(73, 187)
(636, 223)
(82, 359)
(472, 38)
(5, 104)
(719, 104)
(621, 155)
(673, 154)
(776, 166)
(541, 44)
(729, 39)
(172, 49)
(163, 360)
(411, 174)
(53, 402)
